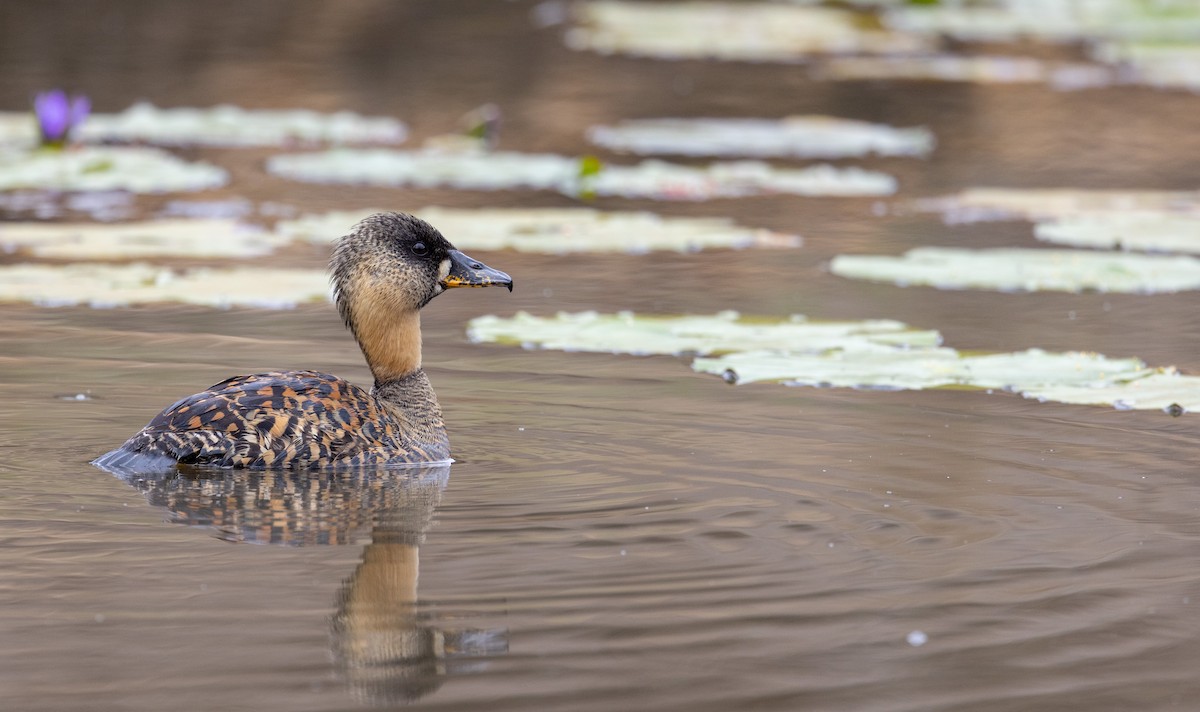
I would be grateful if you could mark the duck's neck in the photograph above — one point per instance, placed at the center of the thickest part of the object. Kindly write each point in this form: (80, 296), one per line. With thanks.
(390, 341)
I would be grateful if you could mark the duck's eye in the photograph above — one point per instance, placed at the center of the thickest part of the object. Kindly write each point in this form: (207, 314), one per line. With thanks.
(419, 249)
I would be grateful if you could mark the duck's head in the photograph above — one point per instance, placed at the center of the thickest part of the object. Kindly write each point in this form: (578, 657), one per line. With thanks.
(399, 262)
(385, 270)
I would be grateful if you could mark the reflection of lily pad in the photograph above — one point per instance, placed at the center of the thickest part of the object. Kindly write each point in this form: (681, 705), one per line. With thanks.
(555, 230)
(870, 354)
(803, 136)
(1026, 270)
(734, 31)
(189, 238)
(1150, 232)
(139, 170)
(101, 285)
(218, 126)
(507, 170)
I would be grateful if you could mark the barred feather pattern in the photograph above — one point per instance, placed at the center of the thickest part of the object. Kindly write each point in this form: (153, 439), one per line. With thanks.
(296, 419)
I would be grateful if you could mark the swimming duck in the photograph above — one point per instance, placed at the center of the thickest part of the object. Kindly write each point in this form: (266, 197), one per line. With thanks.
(383, 272)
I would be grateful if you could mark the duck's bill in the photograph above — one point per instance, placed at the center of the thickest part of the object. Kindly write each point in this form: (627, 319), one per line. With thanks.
(468, 272)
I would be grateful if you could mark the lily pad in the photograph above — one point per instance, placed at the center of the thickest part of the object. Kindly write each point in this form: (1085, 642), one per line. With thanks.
(978, 69)
(100, 285)
(1011, 270)
(913, 369)
(1010, 20)
(1148, 232)
(878, 354)
(507, 170)
(720, 333)
(802, 136)
(186, 238)
(217, 126)
(755, 32)
(135, 169)
(985, 204)
(556, 230)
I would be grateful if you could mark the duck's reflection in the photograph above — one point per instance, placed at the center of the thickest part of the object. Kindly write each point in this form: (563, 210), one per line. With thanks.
(388, 648)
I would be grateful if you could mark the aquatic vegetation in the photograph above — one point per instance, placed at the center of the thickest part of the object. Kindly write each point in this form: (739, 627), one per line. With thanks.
(984, 204)
(1139, 231)
(628, 333)
(543, 171)
(754, 31)
(59, 116)
(220, 126)
(979, 69)
(178, 237)
(1016, 269)
(1011, 20)
(877, 354)
(801, 136)
(1139, 42)
(101, 285)
(556, 230)
(96, 168)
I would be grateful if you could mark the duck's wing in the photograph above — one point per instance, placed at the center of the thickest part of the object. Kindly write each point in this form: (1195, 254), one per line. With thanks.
(278, 419)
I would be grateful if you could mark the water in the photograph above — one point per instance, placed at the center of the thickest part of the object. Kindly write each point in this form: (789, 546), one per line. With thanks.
(618, 532)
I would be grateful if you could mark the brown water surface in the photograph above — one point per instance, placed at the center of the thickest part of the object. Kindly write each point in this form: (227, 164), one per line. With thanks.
(618, 532)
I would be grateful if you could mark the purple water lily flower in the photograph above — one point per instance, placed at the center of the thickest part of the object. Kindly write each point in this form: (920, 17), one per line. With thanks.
(58, 115)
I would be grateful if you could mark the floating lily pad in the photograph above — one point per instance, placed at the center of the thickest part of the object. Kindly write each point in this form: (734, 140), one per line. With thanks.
(1011, 270)
(978, 69)
(731, 31)
(136, 169)
(186, 238)
(803, 136)
(983, 204)
(100, 285)
(1149, 232)
(506, 170)
(217, 126)
(1009, 20)
(913, 369)
(556, 230)
(1163, 390)
(720, 333)
(879, 354)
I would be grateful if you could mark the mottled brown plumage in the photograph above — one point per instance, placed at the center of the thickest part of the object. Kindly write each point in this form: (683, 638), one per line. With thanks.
(383, 272)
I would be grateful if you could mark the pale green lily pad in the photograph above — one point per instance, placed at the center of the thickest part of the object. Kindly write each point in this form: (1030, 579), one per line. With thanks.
(1148, 232)
(135, 169)
(1011, 20)
(800, 136)
(217, 126)
(877, 354)
(555, 230)
(732, 31)
(1172, 66)
(508, 170)
(1163, 390)
(983, 204)
(186, 238)
(100, 285)
(913, 369)
(977, 69)
(720, 333)
(1011, 270)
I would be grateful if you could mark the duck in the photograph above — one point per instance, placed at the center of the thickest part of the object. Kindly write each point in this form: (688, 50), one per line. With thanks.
(382, 273)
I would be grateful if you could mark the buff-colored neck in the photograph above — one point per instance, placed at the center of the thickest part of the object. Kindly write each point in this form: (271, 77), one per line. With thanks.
(390, 340)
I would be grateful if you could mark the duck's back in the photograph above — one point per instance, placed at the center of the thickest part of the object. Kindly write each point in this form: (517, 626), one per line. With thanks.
(276, 420)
